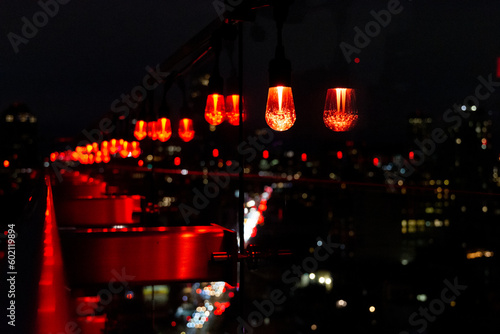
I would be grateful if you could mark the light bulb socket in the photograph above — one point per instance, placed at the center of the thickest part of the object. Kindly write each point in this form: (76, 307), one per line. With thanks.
(149, 106)
(341, 74)
(216, 84)
(164, 110)
(186, 111)
(280, 72)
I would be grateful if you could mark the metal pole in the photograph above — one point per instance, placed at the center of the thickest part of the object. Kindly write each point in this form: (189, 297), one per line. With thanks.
(241, 193)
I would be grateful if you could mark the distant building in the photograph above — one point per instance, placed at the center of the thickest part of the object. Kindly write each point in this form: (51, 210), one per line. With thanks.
(18, 137)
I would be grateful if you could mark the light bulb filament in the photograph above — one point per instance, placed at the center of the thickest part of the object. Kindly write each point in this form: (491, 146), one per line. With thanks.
(280, 98)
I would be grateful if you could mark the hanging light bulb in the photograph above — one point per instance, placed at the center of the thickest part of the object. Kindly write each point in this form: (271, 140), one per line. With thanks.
(105, 147)
(152, 130)
(233, 109)
(98, 157)
(135, 149)
(150, 119)
(141, 124)
(74, 156)
(163, 129)
(341, 112)
(280, 108)
(163, 126)
(113, 146)
(186, 131)
(125, 150)
(79, 153)
(215, 112)
(140, 130)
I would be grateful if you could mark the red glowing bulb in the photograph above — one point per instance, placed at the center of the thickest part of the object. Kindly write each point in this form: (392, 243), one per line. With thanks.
(340, 113)
(140, 131)
(280, 109)
(186, 131)
(98, 157)
(125, 149)
(163, 129)
(135, 149)
(215, 111)
(105, 147)
(233, 109)
(152, 133)
(113, 146)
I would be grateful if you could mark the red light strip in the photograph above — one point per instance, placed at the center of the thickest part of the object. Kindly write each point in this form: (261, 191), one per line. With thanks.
(53, 302)
(498, 67)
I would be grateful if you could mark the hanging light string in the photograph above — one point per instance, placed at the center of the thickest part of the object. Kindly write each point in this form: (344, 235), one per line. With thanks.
(340, 112)
(185, 131)
(280, 108)
(215, 112)
(163, 124)
(280, 68)
(140, 130)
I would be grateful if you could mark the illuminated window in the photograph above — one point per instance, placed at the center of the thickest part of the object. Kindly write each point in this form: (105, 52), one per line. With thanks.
(421, 225)
(412, 226)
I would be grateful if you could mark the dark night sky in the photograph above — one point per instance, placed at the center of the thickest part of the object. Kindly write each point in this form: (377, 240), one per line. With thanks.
(91, 52)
